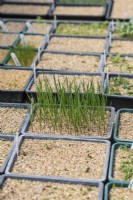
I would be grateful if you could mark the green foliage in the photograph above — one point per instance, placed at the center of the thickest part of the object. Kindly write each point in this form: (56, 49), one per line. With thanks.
(126, 166)
(120, 86)
(82, 29)
(69, 109)
(25, 54)
(125, 29)
(121, 62)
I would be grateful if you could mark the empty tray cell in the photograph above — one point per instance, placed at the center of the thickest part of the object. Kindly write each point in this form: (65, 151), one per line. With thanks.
(79, 10)
(76, 44)
(14, 26)
(24, 9)
(69, 62)
(122, 46)
(13, 79)
(122, 9)
(7, 39)
(40, 27)
(11, 119)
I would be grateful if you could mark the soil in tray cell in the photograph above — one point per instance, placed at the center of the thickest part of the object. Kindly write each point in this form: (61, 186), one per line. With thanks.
(82, 29)
(11, 119)
(3, 53)
(82, 10)
(123, 163)
(122, 9)
(17, 189)
(125, 130)
(13, 79)
(122, 46)
(5, 146)
(61, 158)
(41, 27)
(24, 9)
(73, 79)
(14, 26)
(118, 193)
(76, 44)
(34, 40)
(69, 62)
(120, 86)
(118, 64)
(7, 39)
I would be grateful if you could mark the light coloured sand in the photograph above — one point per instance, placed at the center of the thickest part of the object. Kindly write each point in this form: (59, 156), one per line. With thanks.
(17, 189)
(69, 62)
(13, 79)
(61, 158)
(15, 26)
(125, 130)
(76, 44)
(11, 119)
(7, 39)
(118, 193)
(82, 10)
(24, 9)
(4, 149)
(40, 28)
(123, 47)
(3, 53)
(122, 9)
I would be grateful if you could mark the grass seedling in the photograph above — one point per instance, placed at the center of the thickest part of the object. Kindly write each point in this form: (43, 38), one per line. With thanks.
(125, 29)
(68, 106)
(120, 86)
(120, 63)
(25, 54)
(82, 29)
(126, 166)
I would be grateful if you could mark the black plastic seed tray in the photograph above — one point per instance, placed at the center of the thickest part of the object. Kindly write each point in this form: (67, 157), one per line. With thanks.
(71, 16)
(109, 12)
(22, 123)
(14, 96)
(99, 185)
(27, 15)
(98, 70)
(21, 140)
(104, 38)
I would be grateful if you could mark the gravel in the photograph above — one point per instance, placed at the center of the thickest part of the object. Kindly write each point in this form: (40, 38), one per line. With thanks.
(69, 62)
(61, 158)
(17, 189)
(11, 119)
(5, 146)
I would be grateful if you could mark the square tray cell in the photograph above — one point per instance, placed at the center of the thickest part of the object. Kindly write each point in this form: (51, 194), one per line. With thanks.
(76, 44)
(57, 61)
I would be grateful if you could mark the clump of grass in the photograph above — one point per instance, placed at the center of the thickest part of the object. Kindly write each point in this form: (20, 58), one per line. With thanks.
(126, 166)
(68, 108)
(25, 54)
(125, 29)
(120, 86)
(82, 29)
(120, 62)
